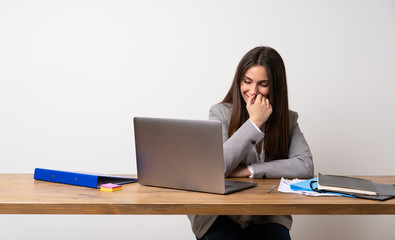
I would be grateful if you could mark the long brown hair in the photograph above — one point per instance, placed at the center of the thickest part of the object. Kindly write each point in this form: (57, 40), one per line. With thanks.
(276, 128)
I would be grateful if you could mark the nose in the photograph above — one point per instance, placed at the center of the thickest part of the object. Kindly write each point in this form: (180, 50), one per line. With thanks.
(254, 89)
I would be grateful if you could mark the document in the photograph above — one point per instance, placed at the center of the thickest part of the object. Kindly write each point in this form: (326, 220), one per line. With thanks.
(302, 187)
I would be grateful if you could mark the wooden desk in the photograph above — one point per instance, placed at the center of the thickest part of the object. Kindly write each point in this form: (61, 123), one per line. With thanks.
(21, 194)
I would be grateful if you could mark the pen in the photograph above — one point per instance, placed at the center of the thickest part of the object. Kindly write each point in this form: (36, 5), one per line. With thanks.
(271, 189)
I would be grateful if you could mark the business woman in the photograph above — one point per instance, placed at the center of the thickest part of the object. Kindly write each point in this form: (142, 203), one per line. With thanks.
(262, 139)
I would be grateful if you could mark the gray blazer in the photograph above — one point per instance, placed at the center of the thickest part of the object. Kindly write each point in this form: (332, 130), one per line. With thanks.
(241, 149)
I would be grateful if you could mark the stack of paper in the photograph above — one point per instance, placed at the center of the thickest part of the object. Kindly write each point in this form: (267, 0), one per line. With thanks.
(338, 186)
(302, 187)
(109, 187)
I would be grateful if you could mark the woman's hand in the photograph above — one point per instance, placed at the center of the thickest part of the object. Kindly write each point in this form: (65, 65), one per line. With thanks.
(240, 171)
(259, 109)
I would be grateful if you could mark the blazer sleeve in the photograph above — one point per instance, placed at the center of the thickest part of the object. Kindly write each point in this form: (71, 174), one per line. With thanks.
(240, 143)
(300, 161)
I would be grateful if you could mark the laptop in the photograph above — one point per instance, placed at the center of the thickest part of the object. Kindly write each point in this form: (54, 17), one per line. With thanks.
(182, 154)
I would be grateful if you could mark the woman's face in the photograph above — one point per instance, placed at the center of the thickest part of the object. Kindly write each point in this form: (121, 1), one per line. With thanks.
(255, 80)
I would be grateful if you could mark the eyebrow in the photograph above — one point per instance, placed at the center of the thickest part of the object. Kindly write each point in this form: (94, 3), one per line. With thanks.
(258, 80)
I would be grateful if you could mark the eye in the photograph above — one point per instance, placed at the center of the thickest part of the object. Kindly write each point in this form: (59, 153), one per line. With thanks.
(264, 84)
(246, 80)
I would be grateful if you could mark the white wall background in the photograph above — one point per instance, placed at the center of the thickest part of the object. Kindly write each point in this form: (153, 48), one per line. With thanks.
(74, 73)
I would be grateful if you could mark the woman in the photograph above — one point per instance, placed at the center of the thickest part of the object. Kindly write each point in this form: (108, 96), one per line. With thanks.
(262, 139)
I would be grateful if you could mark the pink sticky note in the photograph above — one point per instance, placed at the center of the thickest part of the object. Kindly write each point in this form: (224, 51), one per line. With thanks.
(110, 185)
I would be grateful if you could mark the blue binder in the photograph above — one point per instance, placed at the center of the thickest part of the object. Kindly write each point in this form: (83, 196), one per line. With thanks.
(79, 179)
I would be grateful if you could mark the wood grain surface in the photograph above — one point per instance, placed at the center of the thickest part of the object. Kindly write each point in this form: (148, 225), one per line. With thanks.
(21, 194)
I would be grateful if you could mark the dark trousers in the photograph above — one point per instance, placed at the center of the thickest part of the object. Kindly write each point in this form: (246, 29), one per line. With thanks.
(225, 228)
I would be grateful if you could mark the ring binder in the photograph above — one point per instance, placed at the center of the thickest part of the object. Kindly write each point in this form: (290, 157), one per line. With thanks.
(79, 179)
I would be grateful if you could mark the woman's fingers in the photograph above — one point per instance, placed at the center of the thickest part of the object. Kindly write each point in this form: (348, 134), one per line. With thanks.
(262, 100)
(259, 110)
(258, 99)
